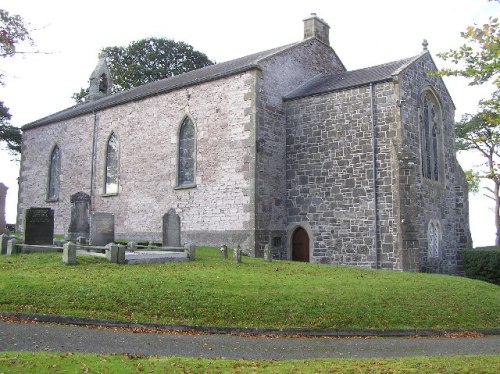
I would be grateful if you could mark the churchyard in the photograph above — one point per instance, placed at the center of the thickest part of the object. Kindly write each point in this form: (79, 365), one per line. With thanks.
(223, 287)
(219, 286)
(253, 293)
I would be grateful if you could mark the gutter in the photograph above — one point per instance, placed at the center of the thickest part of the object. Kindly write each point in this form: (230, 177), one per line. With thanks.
(374, 171)
(92, 162)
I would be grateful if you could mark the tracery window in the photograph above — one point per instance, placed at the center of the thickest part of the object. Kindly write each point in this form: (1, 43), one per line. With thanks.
(54, 174)
(433, 235)
(187, 154)
(111, 177)
(430, 125)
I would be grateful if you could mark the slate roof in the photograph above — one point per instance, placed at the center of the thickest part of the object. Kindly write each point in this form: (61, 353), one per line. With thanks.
(350, 79)
(194, 77)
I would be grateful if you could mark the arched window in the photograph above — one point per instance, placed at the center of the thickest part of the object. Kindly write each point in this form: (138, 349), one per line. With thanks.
(111, 177)
(430, 125)
(54, 171)
(187, 154)
(433, 236)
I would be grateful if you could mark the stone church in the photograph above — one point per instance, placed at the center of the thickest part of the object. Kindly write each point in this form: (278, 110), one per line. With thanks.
(283, 147)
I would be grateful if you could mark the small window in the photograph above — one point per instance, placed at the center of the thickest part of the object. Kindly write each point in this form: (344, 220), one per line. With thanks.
(433, 235)
(111, 177)
(277, 241)
(54, 174)
(187, 154)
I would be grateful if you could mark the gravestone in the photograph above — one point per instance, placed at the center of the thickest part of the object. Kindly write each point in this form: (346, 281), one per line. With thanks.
(69, 253)
(171, 229)
(268, 256)
(80, 214)
(237, 254)
(102, 228)
(4, 239)
(3, 194)
(38, 226)
(223, 251)
(12, 247)
(191, 251)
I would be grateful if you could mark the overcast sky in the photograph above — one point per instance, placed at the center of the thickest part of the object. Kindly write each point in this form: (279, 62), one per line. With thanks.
(363, 33)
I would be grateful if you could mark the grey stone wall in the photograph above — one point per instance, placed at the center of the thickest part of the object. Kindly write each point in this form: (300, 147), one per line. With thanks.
(280, 75)
(330, 174)
(446, 200)
(330, 187)
(221, 205)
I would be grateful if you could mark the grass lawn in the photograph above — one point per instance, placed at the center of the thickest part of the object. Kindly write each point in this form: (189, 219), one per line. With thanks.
(280, 294)
(44, 362)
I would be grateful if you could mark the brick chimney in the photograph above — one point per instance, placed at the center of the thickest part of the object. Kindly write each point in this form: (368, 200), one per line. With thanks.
(315, 26)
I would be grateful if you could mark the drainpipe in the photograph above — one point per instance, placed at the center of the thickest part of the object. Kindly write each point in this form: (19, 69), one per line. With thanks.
(374, 171)
(92, 162)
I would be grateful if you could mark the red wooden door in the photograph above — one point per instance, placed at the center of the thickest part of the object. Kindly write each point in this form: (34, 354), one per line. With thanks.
(300, 245)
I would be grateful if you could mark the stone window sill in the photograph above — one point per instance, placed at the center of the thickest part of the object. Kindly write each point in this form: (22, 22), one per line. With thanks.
(109, 194)
(185, 186)
(52, 200)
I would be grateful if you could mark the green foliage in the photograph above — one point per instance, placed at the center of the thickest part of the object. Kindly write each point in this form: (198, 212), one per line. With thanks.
(57, 362)
(483, 264)
(13, 31)
(254, 293)
(473, 179)
(9, 134)
(146, 61)
(480, 54)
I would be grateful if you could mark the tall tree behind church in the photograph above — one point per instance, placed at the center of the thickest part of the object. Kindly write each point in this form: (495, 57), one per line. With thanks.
(146, 61)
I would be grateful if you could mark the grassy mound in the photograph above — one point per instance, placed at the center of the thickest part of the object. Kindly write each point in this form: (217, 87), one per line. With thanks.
(280, 294)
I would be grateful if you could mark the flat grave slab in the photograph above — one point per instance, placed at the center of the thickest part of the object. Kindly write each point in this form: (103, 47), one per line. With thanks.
(149, 257)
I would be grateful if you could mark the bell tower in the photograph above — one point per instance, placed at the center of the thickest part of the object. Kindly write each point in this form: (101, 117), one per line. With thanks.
(101, 83)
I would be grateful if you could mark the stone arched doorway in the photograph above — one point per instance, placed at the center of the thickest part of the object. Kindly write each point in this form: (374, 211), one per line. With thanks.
(300, 245)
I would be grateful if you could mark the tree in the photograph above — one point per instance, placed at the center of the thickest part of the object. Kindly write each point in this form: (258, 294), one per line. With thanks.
(146, 61)
(9, 134)
(13, 32)
(479, 61)
(476, 133)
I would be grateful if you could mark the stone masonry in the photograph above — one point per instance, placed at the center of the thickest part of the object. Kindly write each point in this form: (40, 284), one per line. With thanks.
(287, 140)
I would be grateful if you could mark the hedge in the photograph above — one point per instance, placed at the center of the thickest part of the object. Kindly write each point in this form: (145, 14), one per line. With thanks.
(483, 264)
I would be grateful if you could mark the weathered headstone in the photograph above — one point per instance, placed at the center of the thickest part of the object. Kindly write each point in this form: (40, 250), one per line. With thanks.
(69, 253)
(11, 247)
(80, 215)
(3, 194)
(237, 254)
(102, 228)
(3, 243)
(191, 251)
(171, 229)
(223, 251)
(38, 226)
(268, 256)
(115, 253)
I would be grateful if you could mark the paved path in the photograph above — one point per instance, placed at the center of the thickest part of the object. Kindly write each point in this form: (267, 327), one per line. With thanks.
(43, 337)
